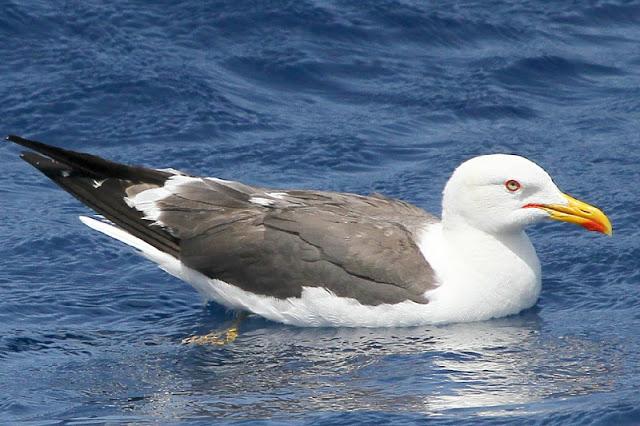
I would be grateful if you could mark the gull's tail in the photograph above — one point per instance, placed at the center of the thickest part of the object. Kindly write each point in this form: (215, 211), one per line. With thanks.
(104, 186)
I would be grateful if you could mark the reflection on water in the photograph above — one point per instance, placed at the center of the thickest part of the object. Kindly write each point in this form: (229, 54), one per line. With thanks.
(350, 96)
(494, 367)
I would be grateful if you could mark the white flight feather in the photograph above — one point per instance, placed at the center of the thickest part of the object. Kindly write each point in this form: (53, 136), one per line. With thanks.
(146, 201)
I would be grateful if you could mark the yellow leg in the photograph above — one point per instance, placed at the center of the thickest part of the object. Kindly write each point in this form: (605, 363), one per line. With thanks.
(218, 337)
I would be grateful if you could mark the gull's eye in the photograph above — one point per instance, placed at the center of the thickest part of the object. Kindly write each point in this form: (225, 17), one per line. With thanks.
(512, 185)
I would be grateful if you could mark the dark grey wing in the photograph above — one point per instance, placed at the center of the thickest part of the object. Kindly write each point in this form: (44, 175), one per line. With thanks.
(354, 246)
(269, 243)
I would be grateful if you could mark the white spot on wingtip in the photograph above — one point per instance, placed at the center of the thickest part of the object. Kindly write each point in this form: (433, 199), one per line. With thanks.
(65, 174)
(98, 183)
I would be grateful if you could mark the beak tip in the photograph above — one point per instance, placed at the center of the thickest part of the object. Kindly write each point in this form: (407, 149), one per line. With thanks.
(580, 213)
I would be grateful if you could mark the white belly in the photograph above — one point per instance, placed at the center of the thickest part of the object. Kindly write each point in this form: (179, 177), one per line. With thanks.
(454, 301)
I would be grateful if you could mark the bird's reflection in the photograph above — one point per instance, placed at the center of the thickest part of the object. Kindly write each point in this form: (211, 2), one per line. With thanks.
(491, 367)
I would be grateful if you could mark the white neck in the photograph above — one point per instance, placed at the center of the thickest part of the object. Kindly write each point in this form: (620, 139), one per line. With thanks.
(481, 275)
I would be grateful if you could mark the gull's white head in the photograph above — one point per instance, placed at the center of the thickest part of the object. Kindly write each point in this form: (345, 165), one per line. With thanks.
(503, 193)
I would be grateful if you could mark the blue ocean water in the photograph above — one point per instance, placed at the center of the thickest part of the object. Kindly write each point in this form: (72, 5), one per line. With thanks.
(385, 96)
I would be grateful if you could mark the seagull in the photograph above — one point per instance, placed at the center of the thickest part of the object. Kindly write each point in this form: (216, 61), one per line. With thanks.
(318, 258)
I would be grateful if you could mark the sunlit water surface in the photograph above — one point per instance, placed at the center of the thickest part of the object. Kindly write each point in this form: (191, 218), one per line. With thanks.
(350, 96)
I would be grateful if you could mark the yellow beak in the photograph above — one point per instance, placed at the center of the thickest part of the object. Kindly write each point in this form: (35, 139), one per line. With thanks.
(578, 212)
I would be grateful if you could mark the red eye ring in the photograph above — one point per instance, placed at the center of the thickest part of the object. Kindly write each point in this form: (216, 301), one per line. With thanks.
(512, 185)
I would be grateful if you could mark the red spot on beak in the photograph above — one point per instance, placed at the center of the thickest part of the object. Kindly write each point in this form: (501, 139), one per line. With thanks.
(593, 226)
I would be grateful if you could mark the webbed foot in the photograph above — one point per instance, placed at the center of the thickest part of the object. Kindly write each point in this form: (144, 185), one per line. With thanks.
(218, 337)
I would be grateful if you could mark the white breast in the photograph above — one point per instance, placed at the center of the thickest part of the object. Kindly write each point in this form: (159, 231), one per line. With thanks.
(482, 276)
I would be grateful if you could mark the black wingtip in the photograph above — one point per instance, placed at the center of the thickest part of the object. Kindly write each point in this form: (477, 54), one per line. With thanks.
(49, 167)
(30, 157)
(92, 165)
(22, 141)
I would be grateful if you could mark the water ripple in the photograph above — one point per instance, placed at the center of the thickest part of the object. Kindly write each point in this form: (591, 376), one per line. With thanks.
(387, 97)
